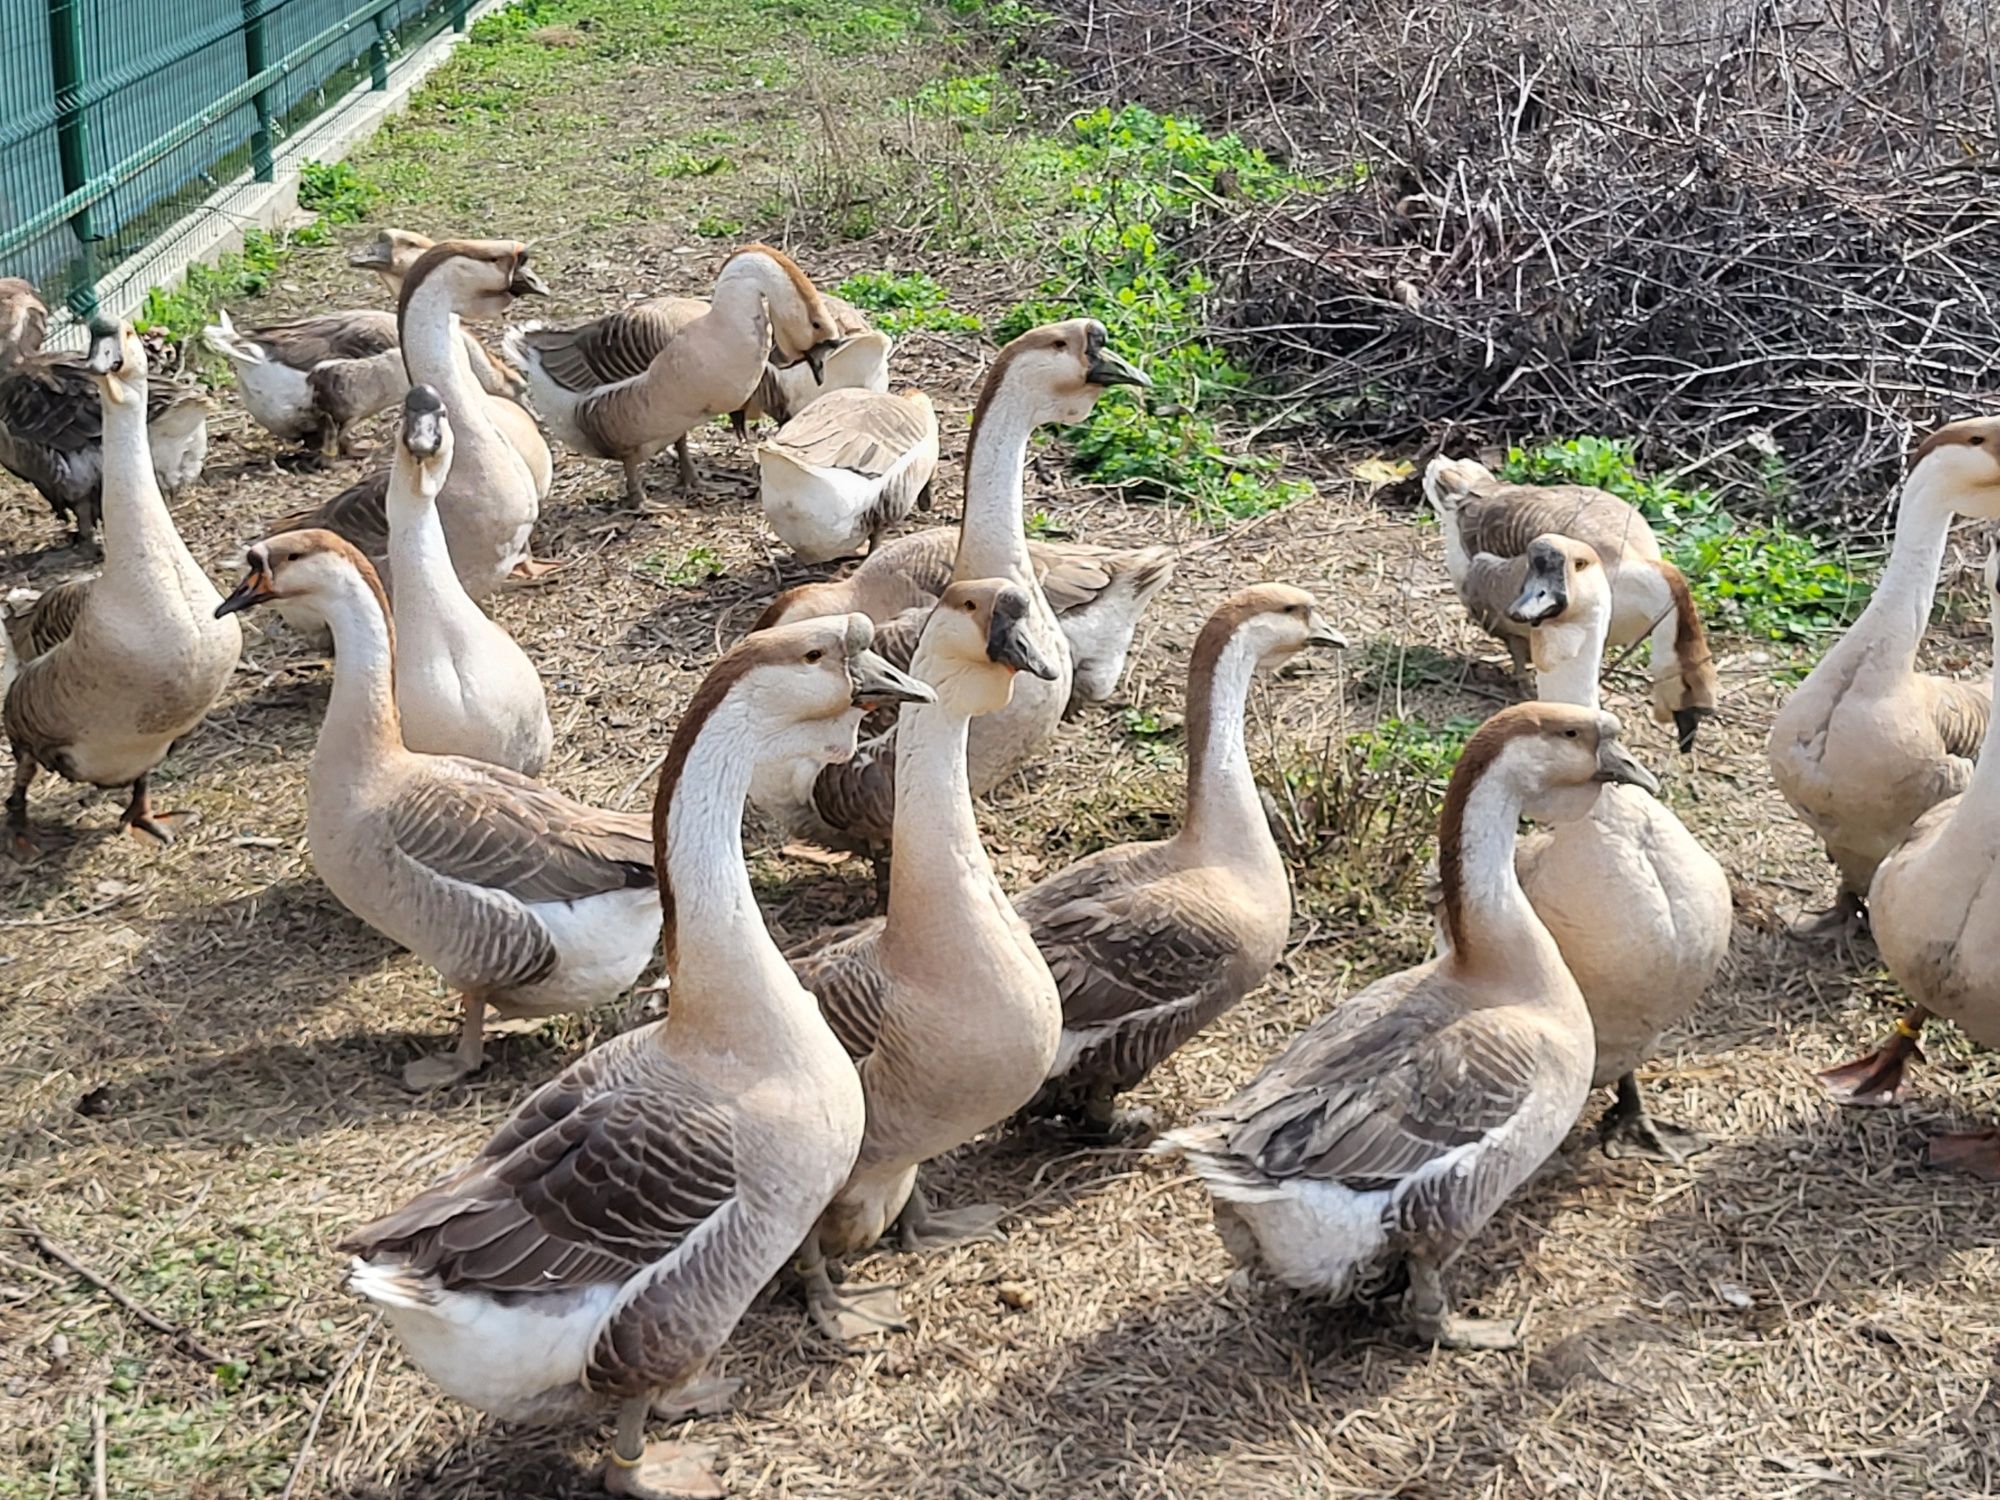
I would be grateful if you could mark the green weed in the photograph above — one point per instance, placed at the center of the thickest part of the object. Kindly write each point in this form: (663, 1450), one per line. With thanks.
(335, 191)
(900, 302)
(182, 312)
(1414, 749)
(967, 100)
(696, 566)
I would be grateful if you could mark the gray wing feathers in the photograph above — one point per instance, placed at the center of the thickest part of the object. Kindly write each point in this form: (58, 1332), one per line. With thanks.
(614, 348)
(865, 432)
(845, 975)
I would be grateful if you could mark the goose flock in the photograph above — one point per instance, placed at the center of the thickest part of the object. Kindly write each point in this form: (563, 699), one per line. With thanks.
(594, 1256)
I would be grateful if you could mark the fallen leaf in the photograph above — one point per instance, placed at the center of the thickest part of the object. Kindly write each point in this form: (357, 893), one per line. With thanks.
(1376, 472)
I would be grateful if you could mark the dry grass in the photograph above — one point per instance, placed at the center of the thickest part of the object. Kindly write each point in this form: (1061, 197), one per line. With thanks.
(198, 1058)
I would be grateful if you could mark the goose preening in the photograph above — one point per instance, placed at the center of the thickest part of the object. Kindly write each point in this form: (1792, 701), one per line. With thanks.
(850, 466)
(1868, 744)
(1098, 595)
(1150, 942)
(1934, 907)
(1487, 527)
(599, 1249)
(463, 687)
(51, 419)
(526, 902)
(939, 1062)
(1054, 373)
(501, 470)
(1640, 911)
(125, 665)
(641, 379)
(859, 362)
(1387, 1134)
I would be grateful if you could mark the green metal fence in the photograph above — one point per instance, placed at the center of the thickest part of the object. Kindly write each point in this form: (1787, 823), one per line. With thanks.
(120, 117)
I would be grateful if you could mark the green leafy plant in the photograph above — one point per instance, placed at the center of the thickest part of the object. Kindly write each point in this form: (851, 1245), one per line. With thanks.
(181, 312)
(901, 302)
(718, 227)
(335, 191)
(1413, 748)
(697, 565)
(967, 100)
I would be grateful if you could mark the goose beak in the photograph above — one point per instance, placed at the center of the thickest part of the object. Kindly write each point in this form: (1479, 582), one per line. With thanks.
(1008, 642)
(1615, 763)
(255, 588)
(525, 283)
(875, 682)
(106, 360)
(816, 357)
(1319, 633)
(423, 421)
(1686, 722)
(1109, 367)
(375, 258)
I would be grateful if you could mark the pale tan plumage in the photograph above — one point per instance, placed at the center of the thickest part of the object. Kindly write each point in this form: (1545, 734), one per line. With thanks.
(853, 464)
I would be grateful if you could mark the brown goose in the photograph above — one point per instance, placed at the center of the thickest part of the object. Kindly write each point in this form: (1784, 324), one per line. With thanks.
(599, 1249)
(860, 362)
(1150, 942)
(1387, 1134)
(1487, 527)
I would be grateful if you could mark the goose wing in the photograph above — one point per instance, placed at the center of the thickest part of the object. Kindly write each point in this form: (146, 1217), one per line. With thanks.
(303, 342)
(844, 973)
(616, 347)
(864, 432)
(53, 616)
(857, 798)
(360, 513)
(1961, 711)
(1503, 518)
(49, 400)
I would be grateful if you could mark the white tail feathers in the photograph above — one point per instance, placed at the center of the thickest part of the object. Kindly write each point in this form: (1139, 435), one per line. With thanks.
(223, 338)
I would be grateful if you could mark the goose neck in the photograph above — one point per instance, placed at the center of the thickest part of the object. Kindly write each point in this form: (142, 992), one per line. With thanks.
(417, 547)
(1223, 810)
(434, 353)
(1568, 658)
(940, 856)
(361, 720)
(991, 541)
(1494, 931)
(138, 529)
(1900, 609)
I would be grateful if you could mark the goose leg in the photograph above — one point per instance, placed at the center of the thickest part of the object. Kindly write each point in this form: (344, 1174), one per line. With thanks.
(690, 484)
(1627, 1130)
(1517, 648)
(25, 847)
(1103, 1121)
(1847, 916)
(1428, 1308)
(140, 817)
(657, 1471)
(1876, 1078)
(463, 1061)
(1976, 1152)
(704, 1396)
(847, 1314)
(740, 425)
(635, 484)
(921, 1227)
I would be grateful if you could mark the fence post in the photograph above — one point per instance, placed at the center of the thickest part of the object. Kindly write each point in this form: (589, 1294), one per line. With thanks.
(256, 58)
(460, 10)
(73, 138)
(378, 55)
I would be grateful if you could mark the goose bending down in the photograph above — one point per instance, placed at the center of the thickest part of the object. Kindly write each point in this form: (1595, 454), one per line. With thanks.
(1639, 910)
(526, 902)
(1098, 595)
(51, 423)
(1387, 1134)
(842, 472)
(463, 687)
(500, 470)
(127, 664)
(1050, 374)
(938, 1062)
(1487, 527)
(644, 377)
(860, 362)
(1149, 942)
(1934, 907)
(599, 1249)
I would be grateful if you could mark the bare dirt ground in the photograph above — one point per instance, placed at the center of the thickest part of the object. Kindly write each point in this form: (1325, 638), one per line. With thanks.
(199, 1049)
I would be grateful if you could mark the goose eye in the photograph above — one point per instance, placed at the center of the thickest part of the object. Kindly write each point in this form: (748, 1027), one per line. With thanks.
(1976, 441)
(970, 606)
(815, 654)
(1569, 734)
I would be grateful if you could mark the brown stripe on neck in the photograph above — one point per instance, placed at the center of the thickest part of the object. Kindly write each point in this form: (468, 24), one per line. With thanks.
(988, 394)
(801, 283)
(1696, 661)
(774, 612)
(1480, 752)
(491, 251)
(1203, 661)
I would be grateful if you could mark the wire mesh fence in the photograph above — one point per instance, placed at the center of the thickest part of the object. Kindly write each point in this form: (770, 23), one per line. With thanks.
(119, 118)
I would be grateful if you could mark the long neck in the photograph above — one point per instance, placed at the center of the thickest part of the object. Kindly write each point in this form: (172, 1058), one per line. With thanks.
(1223, 810)
(741, 302)
(728, 977)
(417, 548)
(1568, 658)
(942, 859)
(1495, 930)
(434, 355)
(1893, 624)
(361, 714)
(139, 532)
(991, 541)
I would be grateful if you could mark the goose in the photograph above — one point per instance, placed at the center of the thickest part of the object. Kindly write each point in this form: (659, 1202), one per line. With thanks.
(390, 255)
(1487, 526)
(1868, 744)
(938, 1064)
(526, 902)
(463, 687)
(850, 466)
(1934, 907)
(1098, 595)
(126, 665)
(1390, 1130)
(500, 471)
(1054, 373)
(602, 1245)
(1640, 911)
(860, 362)
(1149, 942)
(644, 377)
(51, 427)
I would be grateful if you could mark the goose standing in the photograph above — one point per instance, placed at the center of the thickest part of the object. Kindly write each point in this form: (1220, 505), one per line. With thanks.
(1387, 1134)
(1487, 527)
(599, 1249)
(1934, 906)
(1150, 942)
(525, 901)
(938, 1062)
(1640, 911)
(841, 473)
(643, 378)
(500, 470)
(1054, 373)
(143, 657)
(463, 687)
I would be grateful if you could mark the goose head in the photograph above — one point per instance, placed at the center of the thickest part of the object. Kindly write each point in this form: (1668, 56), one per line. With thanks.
(313, 567)
(24, 320)
(1447, 481)
(975, 640)
(1274, 621)
(798, 692)
(481, 277)
(1565, 598)
(117, 362)
(424, 442)
(1059, 370)
(803, 327)
(391, 254)
(1961, 460)
(1543, 750)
